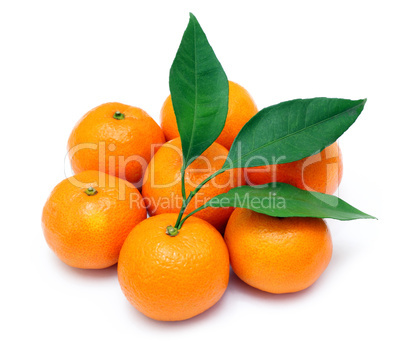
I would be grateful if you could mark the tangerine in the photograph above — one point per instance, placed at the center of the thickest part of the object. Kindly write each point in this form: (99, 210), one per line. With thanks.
(173, 278)
(88, 216)
(116, 139)
(277, 255)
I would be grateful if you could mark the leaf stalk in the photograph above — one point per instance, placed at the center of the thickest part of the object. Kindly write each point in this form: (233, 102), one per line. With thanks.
(179, 221)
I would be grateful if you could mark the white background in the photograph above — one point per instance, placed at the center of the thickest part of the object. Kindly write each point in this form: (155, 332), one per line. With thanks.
(60, 59)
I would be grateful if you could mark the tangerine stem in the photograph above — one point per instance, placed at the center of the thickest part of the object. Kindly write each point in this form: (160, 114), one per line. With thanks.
(119, 116)
(90, 191)
(183, 194)
(191, 195)
(172, 231)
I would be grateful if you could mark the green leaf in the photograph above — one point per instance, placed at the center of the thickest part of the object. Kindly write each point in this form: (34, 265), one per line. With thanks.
(292, 130)
(284, 200)
(200, 92)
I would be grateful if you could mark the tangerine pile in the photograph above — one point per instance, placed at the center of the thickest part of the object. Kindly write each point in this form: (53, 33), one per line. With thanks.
(99, 217)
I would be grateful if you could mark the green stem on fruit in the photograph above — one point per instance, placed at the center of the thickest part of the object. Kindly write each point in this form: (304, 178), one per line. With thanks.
(90, 191)
(119, 116)
(172, 231)
(179, 221)
(183, 194)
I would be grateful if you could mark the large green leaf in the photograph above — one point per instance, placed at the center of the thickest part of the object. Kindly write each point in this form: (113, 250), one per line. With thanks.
(284, 200)
(200, 92)
(292, 130)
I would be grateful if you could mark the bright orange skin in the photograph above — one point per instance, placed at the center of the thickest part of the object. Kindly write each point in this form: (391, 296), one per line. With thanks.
(277, 255)
(321, 172)
(173, 278)
(88, 231)
(164, 169)
(122, 148)
(241, 109)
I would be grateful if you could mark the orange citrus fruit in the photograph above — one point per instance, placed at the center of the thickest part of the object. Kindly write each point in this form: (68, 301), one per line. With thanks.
(88, 216)
(278, 255)
(241, 109)
(321, 172)
(162, 182)
(173, 278)
(116, 139)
